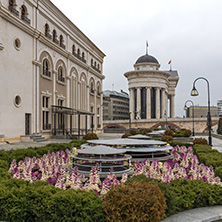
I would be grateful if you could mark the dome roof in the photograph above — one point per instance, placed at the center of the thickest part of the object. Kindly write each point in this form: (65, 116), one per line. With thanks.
(147, 58)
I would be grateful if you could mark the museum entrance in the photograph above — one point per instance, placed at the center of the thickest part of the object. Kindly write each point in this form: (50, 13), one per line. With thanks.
(70, 123)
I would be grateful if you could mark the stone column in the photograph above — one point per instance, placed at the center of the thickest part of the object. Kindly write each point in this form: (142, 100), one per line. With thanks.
(68, 91)
(172, 112)
(78, 94)
(138, 105)
(54, 87)
(95, 109)
(157, 103)
(131, 103)
(163, 103)
(148, 103)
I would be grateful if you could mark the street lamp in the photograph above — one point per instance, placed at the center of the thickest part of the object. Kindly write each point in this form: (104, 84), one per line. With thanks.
(165, 114)
(185, 108)
(194, 92)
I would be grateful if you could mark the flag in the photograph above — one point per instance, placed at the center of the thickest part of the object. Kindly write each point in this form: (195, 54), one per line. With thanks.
(146, 43)
(169, 62)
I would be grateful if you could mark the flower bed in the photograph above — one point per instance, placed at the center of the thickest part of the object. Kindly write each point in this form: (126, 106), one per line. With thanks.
(55, 169)
(31, 197)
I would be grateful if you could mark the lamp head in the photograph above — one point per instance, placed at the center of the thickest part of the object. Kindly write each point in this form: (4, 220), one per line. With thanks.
(185, 107)
(194, 92)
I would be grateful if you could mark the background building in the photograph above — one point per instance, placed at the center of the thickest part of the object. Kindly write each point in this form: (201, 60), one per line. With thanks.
(150, 89)
(201, 111)
(51, 72)
(115, 105)
(219, 107)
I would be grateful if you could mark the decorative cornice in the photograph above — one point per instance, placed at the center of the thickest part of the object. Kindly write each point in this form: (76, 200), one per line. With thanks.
(37, 63)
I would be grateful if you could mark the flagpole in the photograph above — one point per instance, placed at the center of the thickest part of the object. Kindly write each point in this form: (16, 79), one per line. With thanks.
(146, 47)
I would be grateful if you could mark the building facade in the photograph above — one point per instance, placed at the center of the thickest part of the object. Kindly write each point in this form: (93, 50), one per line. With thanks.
(115, 105)
(51, 72)
(219, 107)
(201, 111)
(151, 90)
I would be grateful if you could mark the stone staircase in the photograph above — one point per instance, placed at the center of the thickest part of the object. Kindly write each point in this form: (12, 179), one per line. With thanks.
(38, 138)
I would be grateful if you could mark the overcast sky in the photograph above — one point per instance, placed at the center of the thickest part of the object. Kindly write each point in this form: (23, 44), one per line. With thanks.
(188, 32)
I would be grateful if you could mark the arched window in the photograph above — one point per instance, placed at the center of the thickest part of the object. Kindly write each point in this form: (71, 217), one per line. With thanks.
(91, 88)
(47, 31)
(98, 90)
(73, 49)
(12, 3)
(60, 74)
(95, 64)
(54, 37)
(46, 68)
(98, 67)
(92, 62)
(61, 41)
(78, 53)
(83, 57)
(12, 7)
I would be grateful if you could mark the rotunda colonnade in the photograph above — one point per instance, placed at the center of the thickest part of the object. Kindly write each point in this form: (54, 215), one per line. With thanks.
(150, 90)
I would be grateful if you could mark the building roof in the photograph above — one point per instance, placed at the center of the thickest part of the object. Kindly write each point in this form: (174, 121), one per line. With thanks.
(147, 58)
(115, 93)
(173, 73)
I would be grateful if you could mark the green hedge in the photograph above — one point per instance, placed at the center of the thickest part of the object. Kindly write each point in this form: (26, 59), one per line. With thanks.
(208, 157)
(185, 194)
(37, 201)
(175, 143)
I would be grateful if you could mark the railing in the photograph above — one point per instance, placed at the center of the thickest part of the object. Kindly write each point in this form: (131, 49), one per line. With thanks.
(47, 126)
(13, 10)
(56, 41)
(62, 45)
(95, 68)
(61, 78)
(48, 35)
(26, 19)
(46, 73)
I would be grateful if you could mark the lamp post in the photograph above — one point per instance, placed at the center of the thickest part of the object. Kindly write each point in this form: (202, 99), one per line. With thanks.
(129, 120)
(194, 92)
(165, 114)
(185, 108)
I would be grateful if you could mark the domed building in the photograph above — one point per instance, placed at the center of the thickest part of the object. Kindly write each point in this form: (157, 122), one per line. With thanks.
(151, 89)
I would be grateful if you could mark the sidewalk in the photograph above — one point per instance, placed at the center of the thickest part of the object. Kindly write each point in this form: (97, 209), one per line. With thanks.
(203, 214)
(22, 145)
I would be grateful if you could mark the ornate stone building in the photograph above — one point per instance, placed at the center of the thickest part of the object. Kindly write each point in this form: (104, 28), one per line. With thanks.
(150, 89)
(51, 72)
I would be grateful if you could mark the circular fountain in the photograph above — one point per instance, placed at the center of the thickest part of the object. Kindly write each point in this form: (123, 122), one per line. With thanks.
(139, 149)
(104, 158)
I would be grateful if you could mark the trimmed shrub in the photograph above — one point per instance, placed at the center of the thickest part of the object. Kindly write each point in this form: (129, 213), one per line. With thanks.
(90, 136)
(170, 195)
(167, 138)
(143, 131)
(175, 143)
(218, 171)
(196, 193)
(126, 135)
(136, 201)
(169, 132)
(41, 202)
(219, 129)
(200, 141)
(187, 133)
(132, 132)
